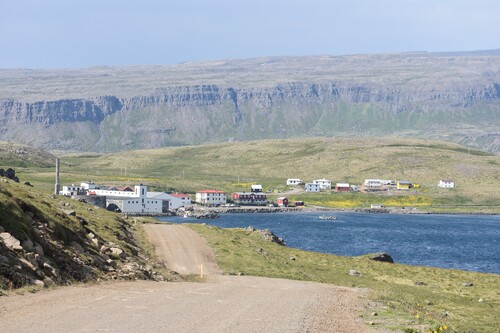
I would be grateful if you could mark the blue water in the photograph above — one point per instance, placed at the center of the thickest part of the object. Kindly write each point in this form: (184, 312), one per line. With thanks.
(466, 242)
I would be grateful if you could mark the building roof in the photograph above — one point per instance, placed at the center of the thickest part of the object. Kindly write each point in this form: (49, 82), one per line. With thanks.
(404, 182)
(179, 195)
(342, 185)
(447, 180)
(158, 195)
(256, 186)
(122, 188)
(249, 193)
(322, 180)
(210, 191)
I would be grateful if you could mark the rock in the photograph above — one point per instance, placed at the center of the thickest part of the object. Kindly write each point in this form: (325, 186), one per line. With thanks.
(28, 184)
(10, 241)
(49, 282)
(270, 236)
(420, 283)
(39, 250)
(28, 264)
(77, 247)
(116, 253)
(95, 241)
(292, 258)
(480, 300)
(374, 314)
(111, 263)
(70, 212)
(261, 251)
(39, 283)
(353, 272)
(28, 245)
(250, 229)
(4, 261)
(51, 269)
(18, 280)
(383, 257)
(468, 284)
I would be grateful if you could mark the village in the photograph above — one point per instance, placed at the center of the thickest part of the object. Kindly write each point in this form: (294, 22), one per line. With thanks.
(138, 200)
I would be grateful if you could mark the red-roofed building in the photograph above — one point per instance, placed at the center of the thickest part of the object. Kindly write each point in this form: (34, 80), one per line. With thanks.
(211, 197)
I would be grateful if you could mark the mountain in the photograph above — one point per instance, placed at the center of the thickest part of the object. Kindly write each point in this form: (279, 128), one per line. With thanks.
(444, 96)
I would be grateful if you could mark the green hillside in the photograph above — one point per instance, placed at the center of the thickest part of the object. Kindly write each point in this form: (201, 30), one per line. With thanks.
(234, 166)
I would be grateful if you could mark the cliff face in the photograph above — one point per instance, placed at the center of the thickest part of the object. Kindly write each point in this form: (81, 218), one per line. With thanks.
(460, 110)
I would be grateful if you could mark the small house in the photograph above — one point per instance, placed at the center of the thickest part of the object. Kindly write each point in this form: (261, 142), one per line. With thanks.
(446, 183)
(312, 187)
(342, 187)
(294, 182)
(256, 188)
(403, 185)
(373, 184)
(211, 197)
(324, 184)
(282, 201)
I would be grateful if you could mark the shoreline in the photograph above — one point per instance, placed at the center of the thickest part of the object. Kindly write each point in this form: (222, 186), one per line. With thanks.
(312, 209)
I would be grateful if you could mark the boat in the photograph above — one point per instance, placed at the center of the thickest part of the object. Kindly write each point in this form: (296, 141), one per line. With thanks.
(327, 217)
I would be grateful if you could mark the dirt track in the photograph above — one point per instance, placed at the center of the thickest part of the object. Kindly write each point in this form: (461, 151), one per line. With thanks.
(224, 304)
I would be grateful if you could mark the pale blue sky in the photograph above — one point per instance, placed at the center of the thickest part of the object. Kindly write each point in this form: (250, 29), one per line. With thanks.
(82, 33)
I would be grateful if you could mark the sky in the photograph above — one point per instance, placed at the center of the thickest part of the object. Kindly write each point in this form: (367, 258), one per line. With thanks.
(84, 33)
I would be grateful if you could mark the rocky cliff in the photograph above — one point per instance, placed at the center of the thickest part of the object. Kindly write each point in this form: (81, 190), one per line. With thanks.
(456, 98)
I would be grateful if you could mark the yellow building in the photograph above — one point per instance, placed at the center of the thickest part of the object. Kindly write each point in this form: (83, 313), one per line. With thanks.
(403, 185)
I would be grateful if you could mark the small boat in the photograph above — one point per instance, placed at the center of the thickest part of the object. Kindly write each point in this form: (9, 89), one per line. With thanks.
(327, 217)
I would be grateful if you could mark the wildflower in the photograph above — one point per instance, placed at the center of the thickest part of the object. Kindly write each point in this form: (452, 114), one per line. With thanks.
(444, 327)
(417, 316)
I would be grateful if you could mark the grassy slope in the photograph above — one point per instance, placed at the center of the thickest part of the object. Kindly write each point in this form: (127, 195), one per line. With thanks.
(234, 166)
(237, 251)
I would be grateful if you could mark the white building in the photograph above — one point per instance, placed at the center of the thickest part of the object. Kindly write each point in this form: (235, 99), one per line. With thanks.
(176, 200)
(72, 190)
(312, 187)
(256, 188)
(446, 183)
(211, 197)
(324, 184)
(136, 201)
(294, 181)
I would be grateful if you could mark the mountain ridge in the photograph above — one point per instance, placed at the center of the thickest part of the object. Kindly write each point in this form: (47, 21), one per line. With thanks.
(453, 98)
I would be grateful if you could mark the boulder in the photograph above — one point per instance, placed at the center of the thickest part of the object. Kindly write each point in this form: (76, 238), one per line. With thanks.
(420, 283)
(116, 252)
(28, 245)
(39, 250)
(78, 248)
(383, 257)
(353, 272)
(70, 212)
(49, 282)
(39, 283)
(28, 264)
(10, 241)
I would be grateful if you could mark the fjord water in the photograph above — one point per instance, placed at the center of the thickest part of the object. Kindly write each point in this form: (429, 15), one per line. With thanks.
(466, 242)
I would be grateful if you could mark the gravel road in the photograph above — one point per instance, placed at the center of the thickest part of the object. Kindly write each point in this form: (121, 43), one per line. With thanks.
(222, 304)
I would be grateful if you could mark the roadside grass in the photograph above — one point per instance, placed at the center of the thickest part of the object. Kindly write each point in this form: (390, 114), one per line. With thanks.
(442, 300)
